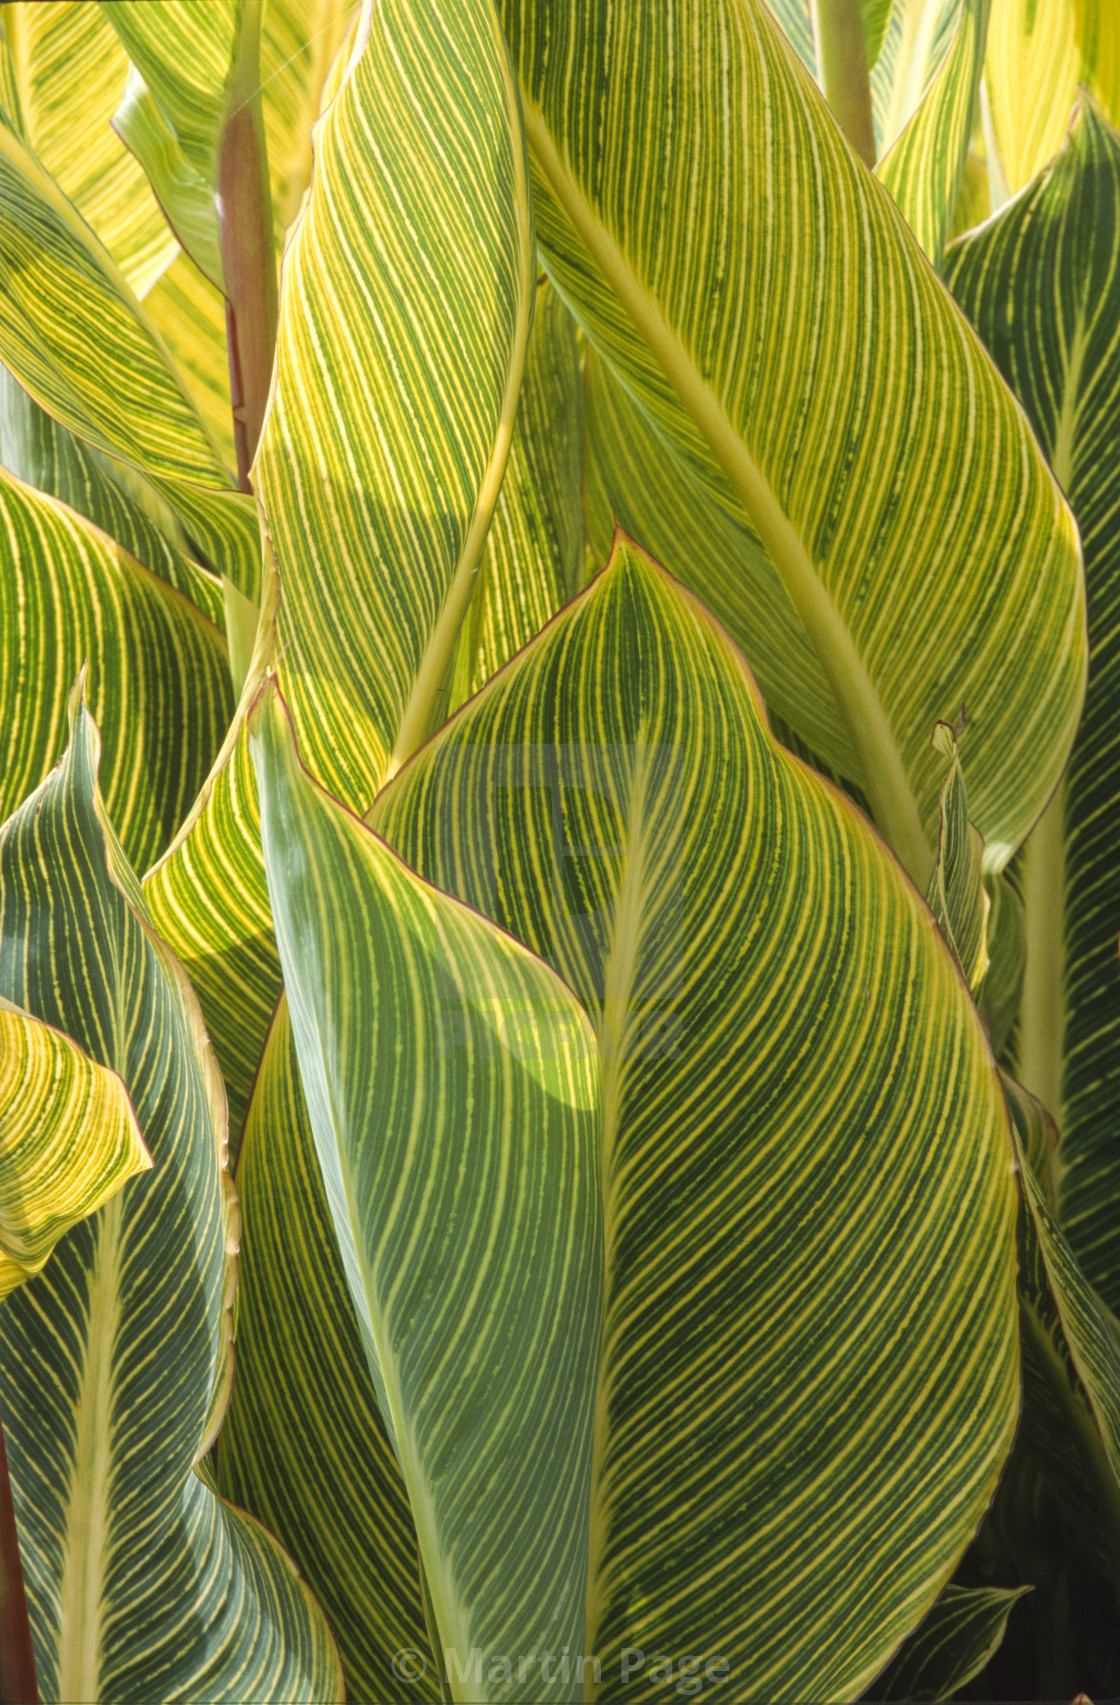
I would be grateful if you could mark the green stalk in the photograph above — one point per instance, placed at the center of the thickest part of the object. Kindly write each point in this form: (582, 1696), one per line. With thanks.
(1041, 1049)
(844, 72)
(248, 261)
(17, 1660)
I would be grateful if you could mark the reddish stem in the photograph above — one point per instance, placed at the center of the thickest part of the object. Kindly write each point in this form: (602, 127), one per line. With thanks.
(248, 261)
(18, 1685)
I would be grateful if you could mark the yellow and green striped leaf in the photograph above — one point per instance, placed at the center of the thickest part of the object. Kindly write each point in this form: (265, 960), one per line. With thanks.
(68, 1141)
(62, 73)
(209, 899)
(115, 1364)
(299, 41)
(757, 293)
(957, 895)
(1042, 284)
(184, 53)
(187, 198)
(404, 311)
(372, 611)
(452, 1084)
(190, 316)
(76, 338)
(533, 558)
(916, 45)
(1039, 53)
(961, 1632)
(158, 677)
(924, 166)
(925, 59)
(790, 1502)
(42, 453)
(633, 479)
(304, 1447)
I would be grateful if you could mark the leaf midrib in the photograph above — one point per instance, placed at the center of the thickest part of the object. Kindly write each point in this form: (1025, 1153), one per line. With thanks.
(86, 1512)
(883, 776)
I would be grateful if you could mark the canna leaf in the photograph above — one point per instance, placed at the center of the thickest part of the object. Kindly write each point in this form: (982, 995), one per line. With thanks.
(184, 54)
(809, 369)
(158, 675)
(115, 1364)
(1002, 988)
(405, 308)
(186, 197)
(1038, 55)
(299, 41)
(304, 1446)
(957, 896)
(707, 912)
(68, 1141)
(190, 317)
(1042, 283)
(76, 338)
(916, 45)
(633, 479)
(961, 1632)
(371, 611)
(208, 897)
(533, 558)
(924, 167)
(452, 1085)
(65, 119)
(42, 453)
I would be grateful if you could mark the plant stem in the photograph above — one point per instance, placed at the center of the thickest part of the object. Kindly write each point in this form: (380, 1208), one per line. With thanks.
(1042, 1003)
(248, 262)
(844, 73)
(17, 1659)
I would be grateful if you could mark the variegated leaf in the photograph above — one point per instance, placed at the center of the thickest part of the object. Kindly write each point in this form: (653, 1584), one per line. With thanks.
(814, 376)
(761, 1495)
(116, 1363)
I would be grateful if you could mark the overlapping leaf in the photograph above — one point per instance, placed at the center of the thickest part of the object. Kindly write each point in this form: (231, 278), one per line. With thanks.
(76, 338)
(533, 559)
(209, 898)
(42, 453)
(68, 1141)
(1002, 989)
(759, 297)
(377, 569)
(916, 45)
(1039, 52)
(116, 1362)
(1042, 283)
(405, 308)
(304, 1446)
(452, 1083)
(762, 1494)
(633, 479)
(924, 167)
(926, 57)
(158, 675)
(62, 72)
(299, 41)
(184, 53)
(187, 199)
(190, 317)
(955, 1641)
